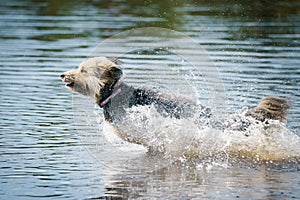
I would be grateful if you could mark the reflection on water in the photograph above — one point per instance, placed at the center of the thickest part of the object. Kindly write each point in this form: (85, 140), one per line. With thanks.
(254, 44)
(203, 181)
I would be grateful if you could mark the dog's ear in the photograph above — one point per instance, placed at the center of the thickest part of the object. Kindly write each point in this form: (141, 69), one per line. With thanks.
(109, 78)
(115, 72)
(112, 75)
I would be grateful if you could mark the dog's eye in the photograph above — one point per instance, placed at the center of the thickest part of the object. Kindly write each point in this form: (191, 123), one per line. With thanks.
(83, 71)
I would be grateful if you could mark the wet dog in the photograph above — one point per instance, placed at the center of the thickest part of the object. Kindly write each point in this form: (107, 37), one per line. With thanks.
(101, 79)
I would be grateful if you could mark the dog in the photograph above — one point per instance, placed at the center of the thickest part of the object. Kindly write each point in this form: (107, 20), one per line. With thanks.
(101, 79)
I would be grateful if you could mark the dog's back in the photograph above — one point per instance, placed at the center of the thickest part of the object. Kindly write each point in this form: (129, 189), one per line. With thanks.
(270, 108)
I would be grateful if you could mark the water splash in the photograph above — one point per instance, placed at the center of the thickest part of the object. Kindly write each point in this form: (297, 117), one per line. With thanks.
(194, 138)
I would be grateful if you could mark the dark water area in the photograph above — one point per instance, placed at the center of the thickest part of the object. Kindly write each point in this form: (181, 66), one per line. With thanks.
(255, 45)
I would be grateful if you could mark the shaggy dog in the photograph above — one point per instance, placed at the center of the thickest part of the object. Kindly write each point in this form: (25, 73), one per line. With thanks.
(101, 79)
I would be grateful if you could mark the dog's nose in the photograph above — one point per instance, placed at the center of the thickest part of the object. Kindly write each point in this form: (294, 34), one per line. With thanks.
(62, 76)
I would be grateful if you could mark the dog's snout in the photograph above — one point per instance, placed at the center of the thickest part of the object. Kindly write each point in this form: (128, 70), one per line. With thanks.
(62, 76)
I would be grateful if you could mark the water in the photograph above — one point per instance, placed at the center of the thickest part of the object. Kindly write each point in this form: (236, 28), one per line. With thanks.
(254, 45)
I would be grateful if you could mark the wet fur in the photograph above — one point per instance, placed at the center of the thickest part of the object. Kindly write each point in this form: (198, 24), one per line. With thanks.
(270, 108)
(94, 78)
(99, 77)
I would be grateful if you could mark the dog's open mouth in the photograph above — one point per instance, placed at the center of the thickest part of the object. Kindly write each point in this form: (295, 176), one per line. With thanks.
(70, 84)
(69, 81)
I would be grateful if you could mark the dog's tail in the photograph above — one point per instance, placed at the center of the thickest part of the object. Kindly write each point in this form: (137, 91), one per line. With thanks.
(270, 108)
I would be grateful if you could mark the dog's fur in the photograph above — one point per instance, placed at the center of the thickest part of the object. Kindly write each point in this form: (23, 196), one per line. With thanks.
(100, 78)
(270, 108)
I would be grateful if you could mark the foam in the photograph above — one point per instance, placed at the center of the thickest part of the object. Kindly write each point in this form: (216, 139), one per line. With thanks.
(193, 138)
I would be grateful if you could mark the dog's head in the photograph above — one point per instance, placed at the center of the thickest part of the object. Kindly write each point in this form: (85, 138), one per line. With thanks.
(95, 77)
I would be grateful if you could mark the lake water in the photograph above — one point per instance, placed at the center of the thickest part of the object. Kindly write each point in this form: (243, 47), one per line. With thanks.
(50, 151)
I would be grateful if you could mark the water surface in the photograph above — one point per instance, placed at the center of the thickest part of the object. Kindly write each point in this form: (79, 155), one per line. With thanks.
(254, 45)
